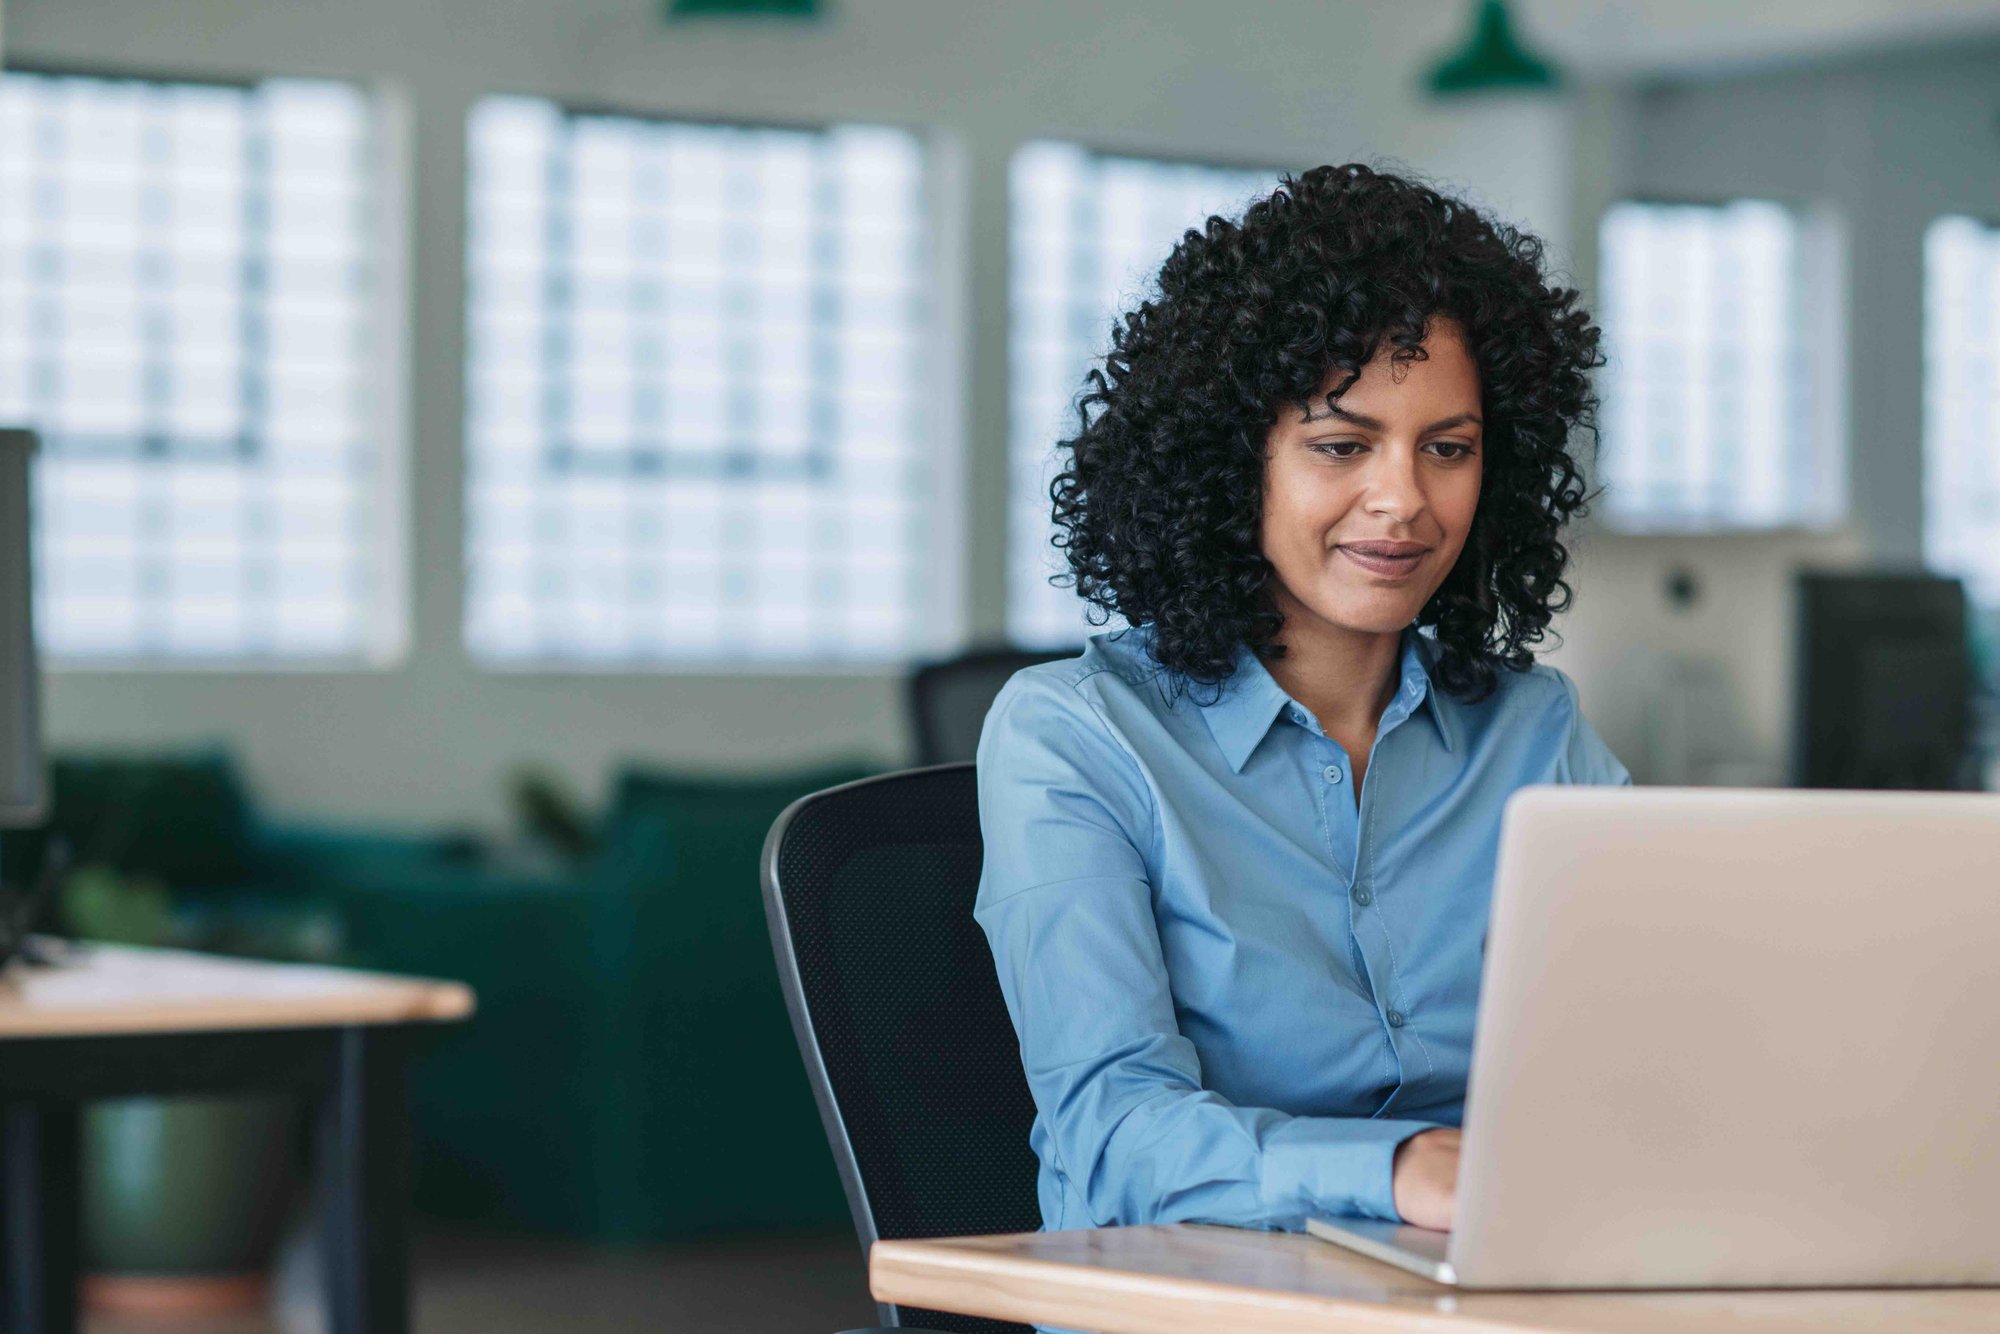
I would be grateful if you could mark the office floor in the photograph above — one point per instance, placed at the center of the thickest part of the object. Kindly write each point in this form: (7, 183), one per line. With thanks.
(473, 1284)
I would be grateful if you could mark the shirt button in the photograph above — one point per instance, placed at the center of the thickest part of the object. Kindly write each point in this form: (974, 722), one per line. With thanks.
(1331, 773)
(1395, 1018)
(1362, 896)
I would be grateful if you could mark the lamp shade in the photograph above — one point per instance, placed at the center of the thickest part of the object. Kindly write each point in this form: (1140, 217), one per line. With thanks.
(1492, 58)
(692, 9)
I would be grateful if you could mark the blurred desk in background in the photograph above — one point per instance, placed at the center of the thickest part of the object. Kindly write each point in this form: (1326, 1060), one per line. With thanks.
(1184, 1278)
(110, 1022)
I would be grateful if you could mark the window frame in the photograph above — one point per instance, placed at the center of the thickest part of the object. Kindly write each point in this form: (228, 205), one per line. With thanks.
(941, 621)
(1095, 149)
(388, 637)
(1986, 615)
(1822, 326)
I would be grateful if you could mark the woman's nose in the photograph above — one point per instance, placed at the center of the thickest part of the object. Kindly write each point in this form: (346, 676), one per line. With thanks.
(1395, 491)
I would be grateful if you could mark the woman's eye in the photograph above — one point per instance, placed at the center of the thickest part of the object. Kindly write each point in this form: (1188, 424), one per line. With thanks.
(1451, 449)
(1340, 449)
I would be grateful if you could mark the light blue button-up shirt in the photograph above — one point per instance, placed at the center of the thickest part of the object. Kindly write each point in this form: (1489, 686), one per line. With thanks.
(1237, 993)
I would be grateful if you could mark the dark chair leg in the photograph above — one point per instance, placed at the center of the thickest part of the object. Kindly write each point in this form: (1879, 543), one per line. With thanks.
(39, 1185)
(364, 1166)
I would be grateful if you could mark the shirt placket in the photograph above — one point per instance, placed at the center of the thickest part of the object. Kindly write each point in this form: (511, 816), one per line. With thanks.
(1350, 837)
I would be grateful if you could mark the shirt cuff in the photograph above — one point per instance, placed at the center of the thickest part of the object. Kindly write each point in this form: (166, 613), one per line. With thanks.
(1339, 1166)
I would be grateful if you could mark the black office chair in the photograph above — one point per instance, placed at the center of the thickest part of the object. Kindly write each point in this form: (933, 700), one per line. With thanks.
(948, 700)
(868, 888)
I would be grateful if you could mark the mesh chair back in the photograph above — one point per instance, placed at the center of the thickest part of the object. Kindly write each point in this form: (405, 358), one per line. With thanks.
(948, 700)
(869, 890)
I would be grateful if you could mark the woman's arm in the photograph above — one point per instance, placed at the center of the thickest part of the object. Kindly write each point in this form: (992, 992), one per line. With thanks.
(1068, 909)
(1586, 759)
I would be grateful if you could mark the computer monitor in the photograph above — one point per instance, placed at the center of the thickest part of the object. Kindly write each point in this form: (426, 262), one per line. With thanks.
(22, 784)
(23, 787)
(1884, 694)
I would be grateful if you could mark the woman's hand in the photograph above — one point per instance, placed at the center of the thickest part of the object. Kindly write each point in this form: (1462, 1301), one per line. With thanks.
(1424, 1177)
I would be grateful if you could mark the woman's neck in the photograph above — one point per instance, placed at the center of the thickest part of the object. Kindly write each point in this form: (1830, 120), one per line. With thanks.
(1346, 677)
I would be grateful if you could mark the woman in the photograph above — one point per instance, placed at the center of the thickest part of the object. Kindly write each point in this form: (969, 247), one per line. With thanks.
(1238, 856)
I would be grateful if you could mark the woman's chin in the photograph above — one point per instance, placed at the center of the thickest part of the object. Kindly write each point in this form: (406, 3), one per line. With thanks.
(1368, 615)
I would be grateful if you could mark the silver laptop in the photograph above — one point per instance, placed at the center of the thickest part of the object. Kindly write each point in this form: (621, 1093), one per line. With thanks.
(1730, 1039)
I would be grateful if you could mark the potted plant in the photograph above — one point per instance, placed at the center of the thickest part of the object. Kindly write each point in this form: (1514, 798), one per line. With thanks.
(181, 1197)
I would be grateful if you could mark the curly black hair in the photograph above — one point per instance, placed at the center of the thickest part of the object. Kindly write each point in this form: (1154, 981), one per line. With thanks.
(1159, 504)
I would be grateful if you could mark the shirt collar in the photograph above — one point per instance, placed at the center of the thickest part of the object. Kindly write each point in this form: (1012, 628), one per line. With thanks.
(1419, 651)
(1251, 700)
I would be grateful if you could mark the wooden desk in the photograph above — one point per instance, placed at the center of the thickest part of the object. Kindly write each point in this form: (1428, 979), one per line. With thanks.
(112, 1022)
(1183, 1279)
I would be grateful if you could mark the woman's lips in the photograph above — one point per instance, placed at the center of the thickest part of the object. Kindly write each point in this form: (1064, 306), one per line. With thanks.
(1385, 561)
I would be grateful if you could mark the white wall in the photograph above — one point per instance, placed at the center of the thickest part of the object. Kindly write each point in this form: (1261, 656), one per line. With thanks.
(1887, 143)
(1302, 82)
(1890, 145)
(1890, 142)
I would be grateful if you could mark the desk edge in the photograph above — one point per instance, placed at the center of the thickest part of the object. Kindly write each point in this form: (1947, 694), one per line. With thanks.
(929, 1273)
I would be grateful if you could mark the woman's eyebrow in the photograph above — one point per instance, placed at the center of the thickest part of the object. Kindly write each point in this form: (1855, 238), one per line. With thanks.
(1462, 419)
(1337, 411)
(1368, 423)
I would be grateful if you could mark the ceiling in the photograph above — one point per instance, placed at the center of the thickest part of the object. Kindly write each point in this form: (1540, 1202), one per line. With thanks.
(1636, 37)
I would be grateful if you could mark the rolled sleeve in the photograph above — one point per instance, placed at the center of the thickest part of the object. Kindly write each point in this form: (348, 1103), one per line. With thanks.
(1068, 908)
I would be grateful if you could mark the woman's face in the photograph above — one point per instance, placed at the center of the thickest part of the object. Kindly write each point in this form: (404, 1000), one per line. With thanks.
(1367, 504)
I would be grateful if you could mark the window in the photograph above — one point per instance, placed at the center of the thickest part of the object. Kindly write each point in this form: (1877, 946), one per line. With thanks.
(1089, 235)
(1962, 403)
(187, 318)
(695, 418)
(1720, 401)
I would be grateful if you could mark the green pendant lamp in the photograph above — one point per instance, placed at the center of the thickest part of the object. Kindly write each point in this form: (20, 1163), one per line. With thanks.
(704, 9)
(1492, 59)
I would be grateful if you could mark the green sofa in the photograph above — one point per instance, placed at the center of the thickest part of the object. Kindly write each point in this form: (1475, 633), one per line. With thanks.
(630, 1074)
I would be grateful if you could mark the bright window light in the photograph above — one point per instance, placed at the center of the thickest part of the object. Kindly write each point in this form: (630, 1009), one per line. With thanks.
(1962, 403)
(695, 417)
(1089, 234)
(1720, 401)
(187, 318)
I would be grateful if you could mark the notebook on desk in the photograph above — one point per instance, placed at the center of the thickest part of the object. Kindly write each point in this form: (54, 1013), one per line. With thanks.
(1730, 1039)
